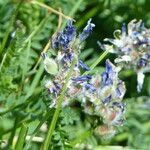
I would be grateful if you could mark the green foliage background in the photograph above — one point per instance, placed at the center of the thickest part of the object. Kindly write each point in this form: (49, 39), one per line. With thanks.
(23, 100)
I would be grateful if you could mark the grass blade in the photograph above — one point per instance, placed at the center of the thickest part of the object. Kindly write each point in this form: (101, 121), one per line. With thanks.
(21, 137)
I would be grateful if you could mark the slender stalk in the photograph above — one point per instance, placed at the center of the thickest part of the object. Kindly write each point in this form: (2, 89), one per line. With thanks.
(56, 114)
(36, 130)
(49, 42)
(40, 58)
(25, 68)
(35, 81)
(101, 57)
(34, 32)
(3, 60)
(10, 141)
(9, 29)
(50, 9)
(21, 138)
(73, 10)
(59, 22)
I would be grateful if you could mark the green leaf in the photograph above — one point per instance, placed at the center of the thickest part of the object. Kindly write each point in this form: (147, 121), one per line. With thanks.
(21, 137)
(69, 116)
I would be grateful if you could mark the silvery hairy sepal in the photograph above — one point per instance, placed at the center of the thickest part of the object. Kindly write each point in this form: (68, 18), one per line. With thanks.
(50, 64)
(132, 47)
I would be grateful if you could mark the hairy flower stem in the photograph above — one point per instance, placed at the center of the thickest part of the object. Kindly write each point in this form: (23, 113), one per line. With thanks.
(57, 111)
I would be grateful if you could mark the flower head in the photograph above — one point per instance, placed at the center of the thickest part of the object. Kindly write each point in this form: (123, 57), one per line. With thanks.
(132, 48)
(103, 96)
(67, 45)
(99, 95)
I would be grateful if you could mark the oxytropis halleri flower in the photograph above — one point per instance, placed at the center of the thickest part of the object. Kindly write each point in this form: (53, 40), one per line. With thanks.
(104, 97)
(67, 44)
(132, 47)
(99, 95)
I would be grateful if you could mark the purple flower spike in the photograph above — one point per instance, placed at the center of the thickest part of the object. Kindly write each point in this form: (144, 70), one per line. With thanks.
(53, 87)
(132, 48)
(70, 30)
(142, 62)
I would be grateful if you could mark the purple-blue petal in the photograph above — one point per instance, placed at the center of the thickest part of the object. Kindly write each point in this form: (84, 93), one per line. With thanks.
(87, 30)
(83, 65)
(90, 87)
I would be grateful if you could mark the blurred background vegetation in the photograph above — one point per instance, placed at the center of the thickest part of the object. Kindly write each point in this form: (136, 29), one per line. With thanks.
(25, 28)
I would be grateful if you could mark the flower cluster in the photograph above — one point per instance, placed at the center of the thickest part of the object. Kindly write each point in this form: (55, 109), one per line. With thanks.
(132, 46)
(99, 95)
(104, 95)
(67, 44)
(106, 91)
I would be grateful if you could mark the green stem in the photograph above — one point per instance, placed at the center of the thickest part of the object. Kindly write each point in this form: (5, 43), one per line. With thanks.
(10, 26)
(21, 137)
(73, 10)
(35, 81)
(56, 114)
(10, 141)
(34, 32)
(36, 130)
(2, 62)
(101, 57)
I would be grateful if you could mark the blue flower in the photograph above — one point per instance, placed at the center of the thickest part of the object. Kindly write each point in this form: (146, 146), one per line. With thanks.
(53, 87)
(82, 78)
(119, 105)
(123, 29)
(87, 30)
(132, 48)
(147, 56)
(63, 38)
(83, 65)
(67, 58)
(90, 87)
(142, 62)
(107, 100)
(109, 74)
(69, 31)
(120, 90)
